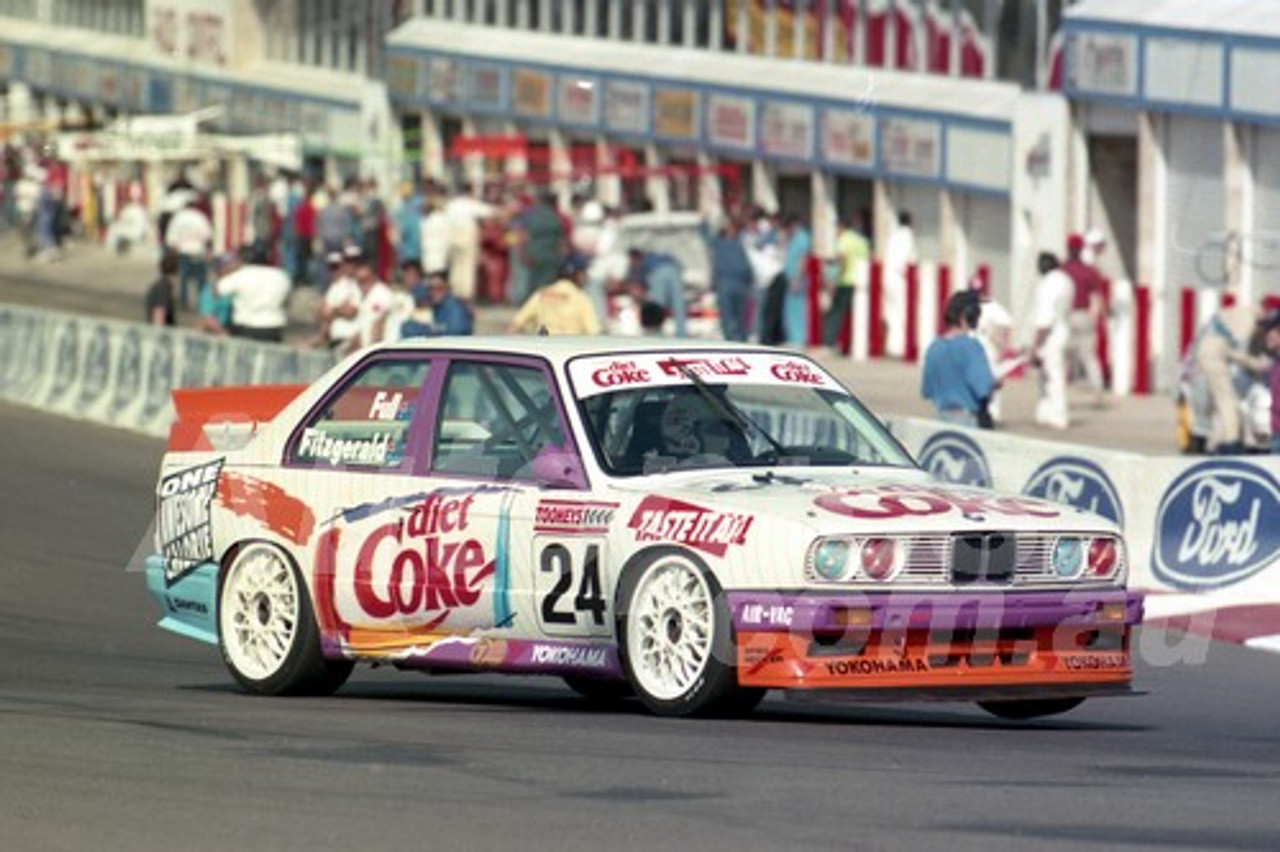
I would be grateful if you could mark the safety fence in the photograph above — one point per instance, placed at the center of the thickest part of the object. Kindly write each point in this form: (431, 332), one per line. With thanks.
(123, 374)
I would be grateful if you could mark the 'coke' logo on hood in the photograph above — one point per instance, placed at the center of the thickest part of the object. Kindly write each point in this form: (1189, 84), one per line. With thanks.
(1218, 524)
(1079, 483)
(955, 458)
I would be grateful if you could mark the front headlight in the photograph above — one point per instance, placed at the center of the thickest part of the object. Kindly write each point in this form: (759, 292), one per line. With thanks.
(1068, 557)
(829, 559)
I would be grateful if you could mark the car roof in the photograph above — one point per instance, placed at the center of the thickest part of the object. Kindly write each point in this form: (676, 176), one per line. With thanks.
(561, 348)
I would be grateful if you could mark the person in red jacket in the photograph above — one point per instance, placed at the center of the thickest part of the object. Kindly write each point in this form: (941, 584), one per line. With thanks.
(1086, 313)
(304, 232)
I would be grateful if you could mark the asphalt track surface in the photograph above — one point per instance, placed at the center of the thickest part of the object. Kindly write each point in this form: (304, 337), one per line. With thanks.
(115, 735)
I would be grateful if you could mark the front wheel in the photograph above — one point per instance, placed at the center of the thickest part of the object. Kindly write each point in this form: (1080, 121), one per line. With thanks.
(267, 631)
(1019, 710)
(677, 639)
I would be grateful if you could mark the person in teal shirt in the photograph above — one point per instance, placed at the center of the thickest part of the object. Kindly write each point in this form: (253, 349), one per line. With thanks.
(795, 308)
(957, 376)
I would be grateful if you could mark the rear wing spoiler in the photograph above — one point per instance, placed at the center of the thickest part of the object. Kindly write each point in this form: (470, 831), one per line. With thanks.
(225, 418)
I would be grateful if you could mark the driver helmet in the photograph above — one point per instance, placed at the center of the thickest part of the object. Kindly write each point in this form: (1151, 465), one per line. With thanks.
(691, 425)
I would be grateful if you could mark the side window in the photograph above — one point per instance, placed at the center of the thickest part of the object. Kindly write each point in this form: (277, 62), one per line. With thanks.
(365, 425)
(494, 419)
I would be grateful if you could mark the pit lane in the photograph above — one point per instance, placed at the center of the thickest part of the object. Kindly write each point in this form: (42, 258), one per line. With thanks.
(116, 735)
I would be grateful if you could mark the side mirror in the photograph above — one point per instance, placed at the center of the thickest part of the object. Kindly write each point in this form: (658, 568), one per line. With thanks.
(556, 467)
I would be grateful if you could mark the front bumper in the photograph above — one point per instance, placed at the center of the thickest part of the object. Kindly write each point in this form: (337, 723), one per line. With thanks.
(953, 643)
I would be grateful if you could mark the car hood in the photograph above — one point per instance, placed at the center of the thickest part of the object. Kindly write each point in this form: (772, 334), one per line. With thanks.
(883, 500)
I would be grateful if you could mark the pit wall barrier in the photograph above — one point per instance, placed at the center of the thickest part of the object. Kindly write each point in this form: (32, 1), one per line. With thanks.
(123, 374)
(1203, 533)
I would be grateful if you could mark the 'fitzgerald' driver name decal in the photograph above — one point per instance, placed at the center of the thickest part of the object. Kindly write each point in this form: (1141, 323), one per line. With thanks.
(316, 444)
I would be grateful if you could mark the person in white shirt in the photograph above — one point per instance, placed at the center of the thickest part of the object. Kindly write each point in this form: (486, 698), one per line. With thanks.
(995, 332)
(258, 296)
(190, 234)
(1051, 315)
(899, 256)
(402, 298)
(434, 231)
(337, 313)
(375, 303)
(464, 213)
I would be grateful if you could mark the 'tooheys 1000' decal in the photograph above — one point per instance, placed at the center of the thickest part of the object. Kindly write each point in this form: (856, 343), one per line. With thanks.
(384, 582)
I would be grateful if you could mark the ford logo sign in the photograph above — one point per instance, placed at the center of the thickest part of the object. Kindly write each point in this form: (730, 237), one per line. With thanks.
(1218, 524)
(956, 458)
(1079, 483)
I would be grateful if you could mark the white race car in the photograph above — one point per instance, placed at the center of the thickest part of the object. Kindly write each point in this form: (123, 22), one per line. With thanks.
(691, 523)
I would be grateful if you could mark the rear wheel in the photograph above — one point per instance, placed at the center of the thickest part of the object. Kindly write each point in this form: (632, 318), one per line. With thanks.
(1030, 709)
(267, 631)
(676, 636)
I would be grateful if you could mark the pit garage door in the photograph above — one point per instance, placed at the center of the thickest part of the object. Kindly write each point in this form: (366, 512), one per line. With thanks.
(985, 220)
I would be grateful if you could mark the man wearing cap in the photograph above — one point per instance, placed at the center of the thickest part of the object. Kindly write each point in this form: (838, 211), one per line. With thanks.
(1086, 313)
(560, 307)
(258, 295)
(337, 313)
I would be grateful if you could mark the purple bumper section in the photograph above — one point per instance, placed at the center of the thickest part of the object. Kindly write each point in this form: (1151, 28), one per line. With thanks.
(815, 613)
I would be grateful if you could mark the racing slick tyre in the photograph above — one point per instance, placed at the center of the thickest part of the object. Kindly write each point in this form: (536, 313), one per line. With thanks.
(1017, 710)
(676, 638)
(267, 631)
(600, 691)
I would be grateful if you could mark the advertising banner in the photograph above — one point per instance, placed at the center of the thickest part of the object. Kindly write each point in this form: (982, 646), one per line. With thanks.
(847, 138)
(531, 93)
(786, 130)
(578, 99)
(911, 147)
(444, 84)
(486, 86)
(731, 122)
(675, 113)
(1103, 63)
(404, 77)
(626, 106)
(1203, 534)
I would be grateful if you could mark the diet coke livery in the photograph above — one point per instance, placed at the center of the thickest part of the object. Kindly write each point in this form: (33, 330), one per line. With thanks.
(691, 524)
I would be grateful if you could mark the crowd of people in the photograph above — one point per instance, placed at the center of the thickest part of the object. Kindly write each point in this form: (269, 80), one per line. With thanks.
(34, 193)
(436, 255)
(418, 266)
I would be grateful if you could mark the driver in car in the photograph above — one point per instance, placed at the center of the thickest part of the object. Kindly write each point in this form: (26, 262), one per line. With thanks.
(691, 427)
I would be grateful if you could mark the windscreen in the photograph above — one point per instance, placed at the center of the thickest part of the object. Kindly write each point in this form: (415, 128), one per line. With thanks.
(656, 413)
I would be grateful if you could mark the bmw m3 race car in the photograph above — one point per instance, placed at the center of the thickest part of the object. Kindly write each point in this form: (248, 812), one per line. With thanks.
(694, 524)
